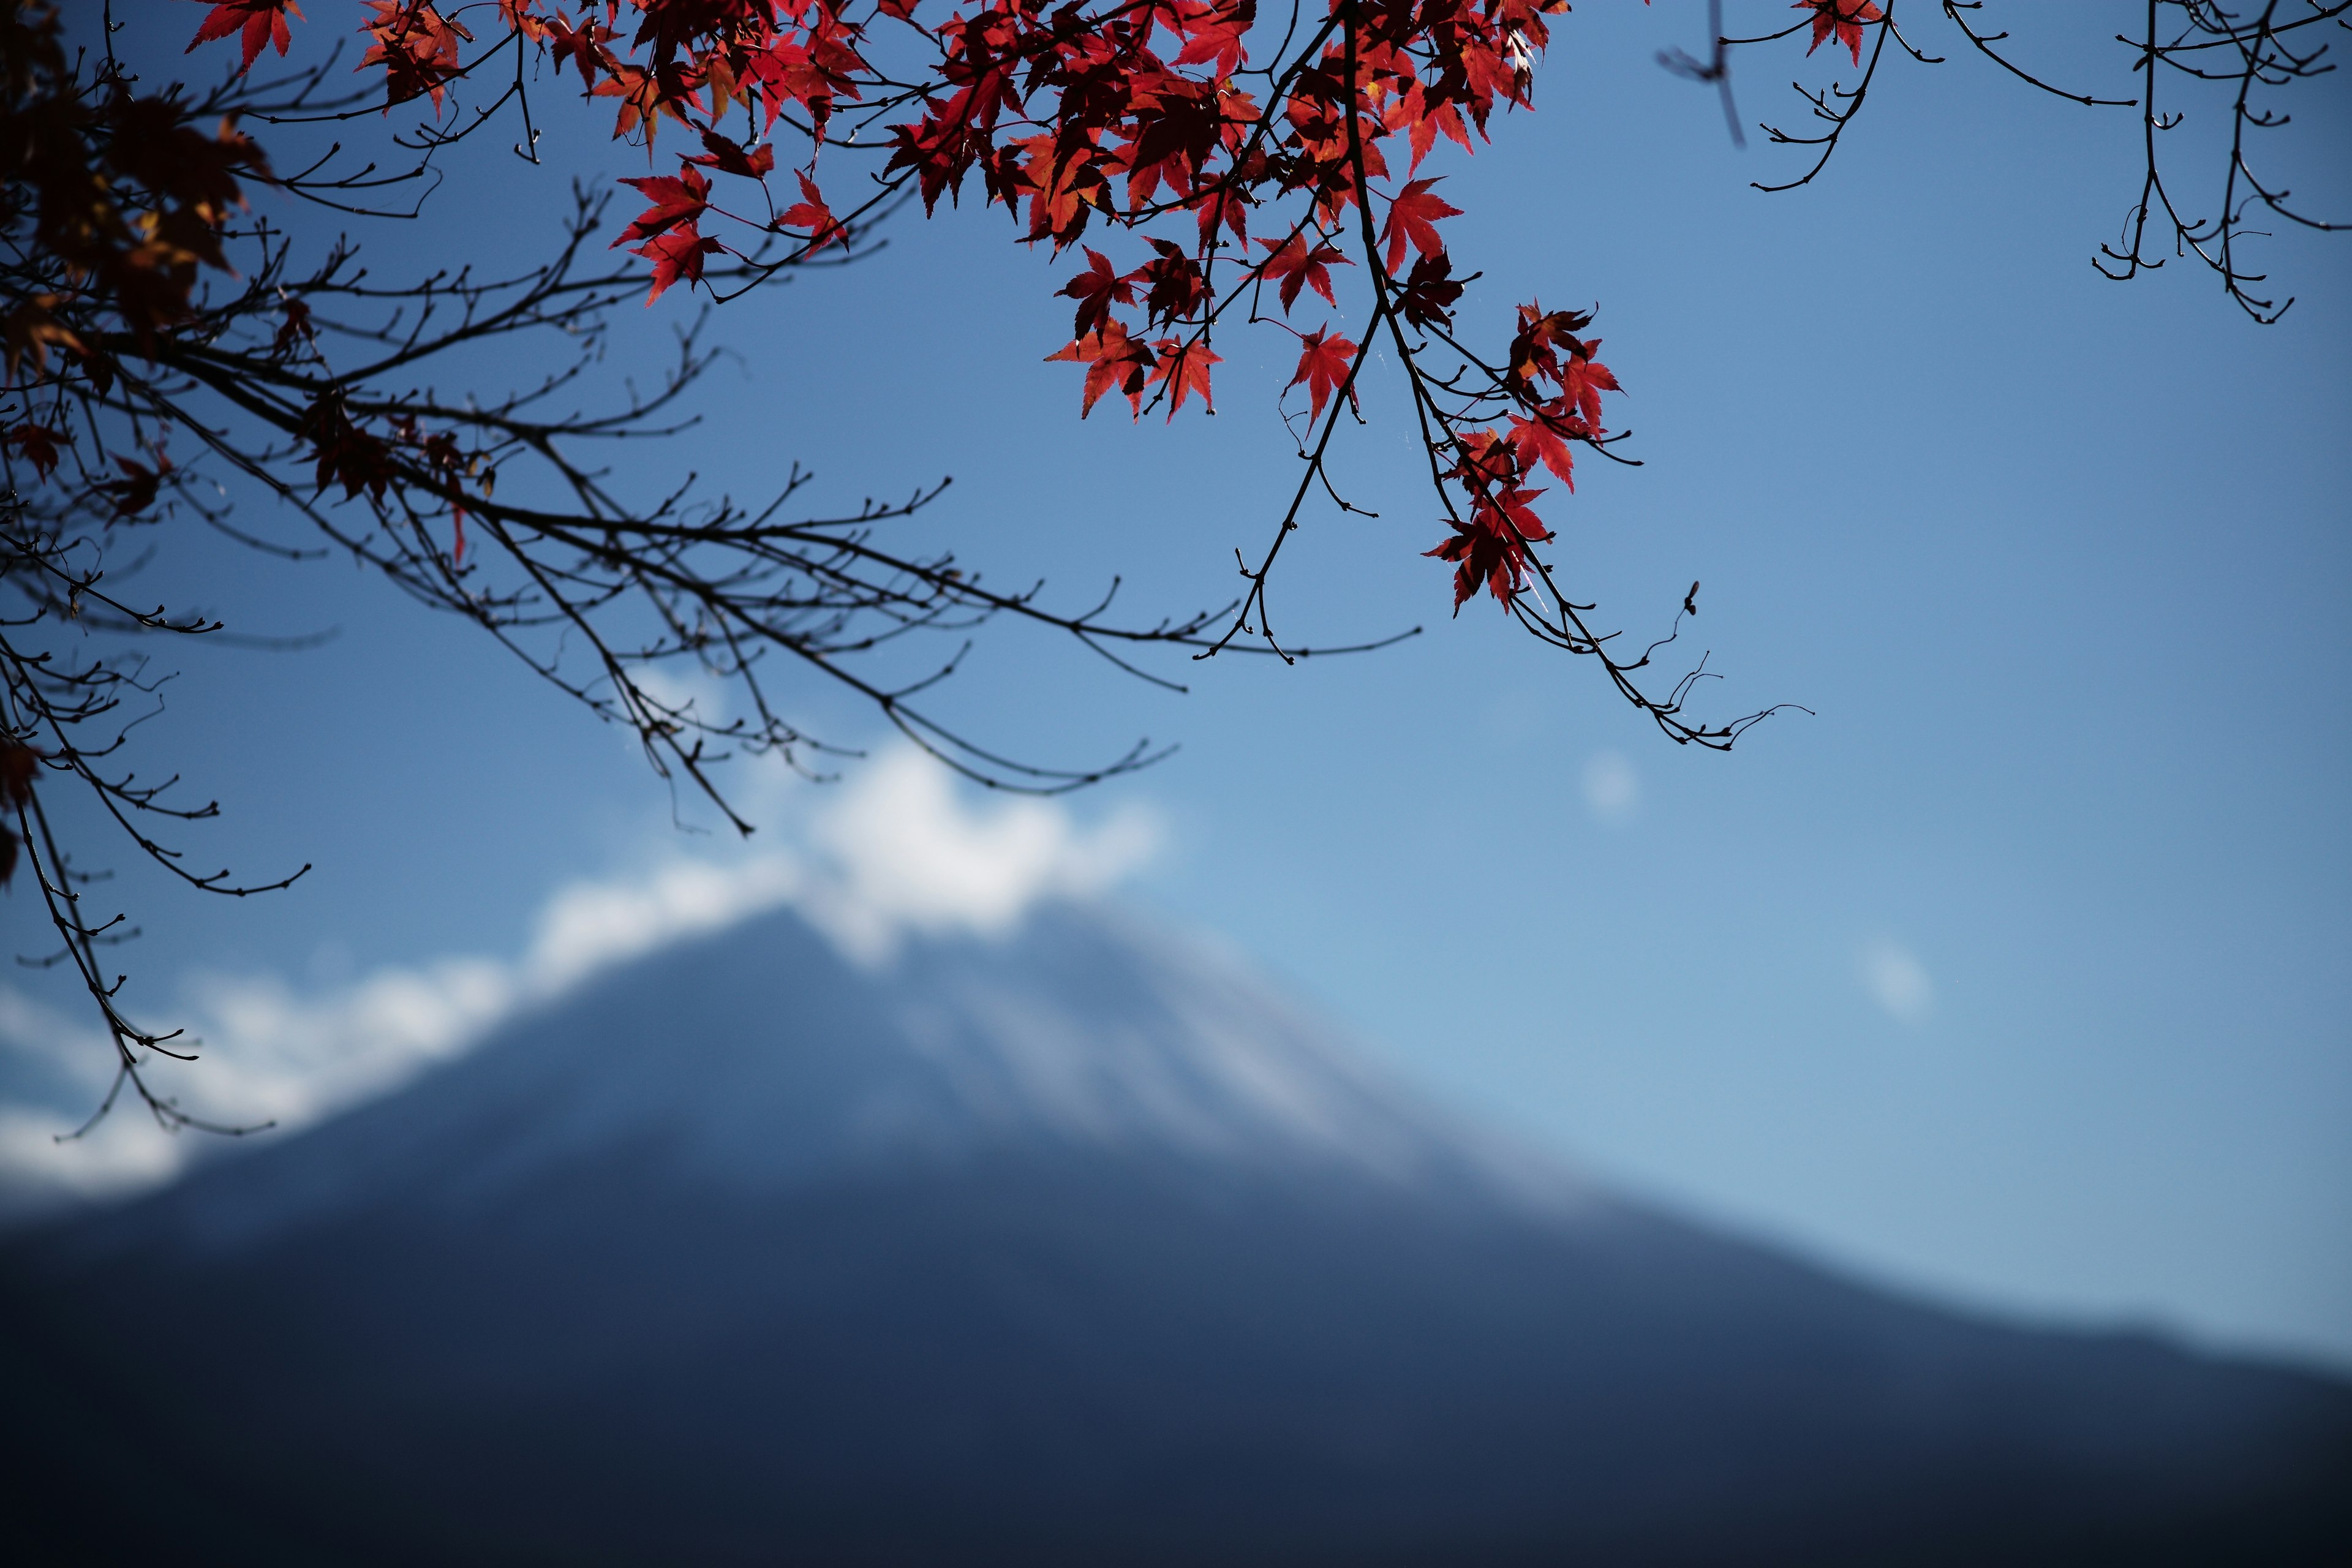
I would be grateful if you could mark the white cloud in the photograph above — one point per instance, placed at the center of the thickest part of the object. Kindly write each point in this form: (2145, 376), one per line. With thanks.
(896, 851)
(1612, 791)
(38, 1174)
(589, 925)
(75, 1062)
(912, 860)
(1898, 981)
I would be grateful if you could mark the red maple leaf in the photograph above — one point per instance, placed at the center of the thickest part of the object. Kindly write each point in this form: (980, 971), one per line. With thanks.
(1221, 206)
(727, 156)
(1482, 559)
(1219, 38)
(1112, 359)
(646, 96)
(40, 445)
(136, 490)
(1412, 216)
(1096, 290)
(676, 253)
(1424, 124)
(679, 198)
(584, 47)
(1066, 184)
(1324, 364)
(1841, 19)
(784, 73)
(1430, 292)
(1510, 506)
(811, 214)
(1583, 380)
(1184, 368)
(1545, 439)
(1292, 265)
(263, 22)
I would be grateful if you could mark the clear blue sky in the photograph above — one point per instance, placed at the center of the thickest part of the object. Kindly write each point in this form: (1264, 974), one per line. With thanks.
(2018, 973)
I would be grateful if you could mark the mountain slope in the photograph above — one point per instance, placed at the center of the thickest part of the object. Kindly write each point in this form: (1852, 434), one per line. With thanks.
(1081, 1247)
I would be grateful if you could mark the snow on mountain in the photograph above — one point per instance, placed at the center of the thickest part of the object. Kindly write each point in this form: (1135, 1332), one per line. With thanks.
(760, 1058)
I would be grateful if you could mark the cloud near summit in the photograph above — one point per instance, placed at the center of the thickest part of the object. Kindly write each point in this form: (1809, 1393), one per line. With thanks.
(896, 851)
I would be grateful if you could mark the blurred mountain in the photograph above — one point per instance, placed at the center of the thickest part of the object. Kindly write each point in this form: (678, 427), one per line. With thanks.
(1075, 1246)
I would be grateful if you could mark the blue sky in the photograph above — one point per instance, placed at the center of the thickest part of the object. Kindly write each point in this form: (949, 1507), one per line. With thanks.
(2017, 972)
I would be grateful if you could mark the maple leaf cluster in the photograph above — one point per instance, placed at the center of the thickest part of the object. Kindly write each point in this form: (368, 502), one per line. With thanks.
(1148, 118)
(412, 42)
(1553, 376)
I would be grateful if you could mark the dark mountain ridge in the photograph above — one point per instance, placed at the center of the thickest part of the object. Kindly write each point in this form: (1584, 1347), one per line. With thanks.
(1079, 1247)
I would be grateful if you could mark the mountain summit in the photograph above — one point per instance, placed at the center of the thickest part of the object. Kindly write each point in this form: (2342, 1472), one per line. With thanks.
(1075, 1246)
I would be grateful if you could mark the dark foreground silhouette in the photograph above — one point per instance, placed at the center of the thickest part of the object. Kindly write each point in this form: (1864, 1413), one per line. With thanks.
(1076, 1248)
